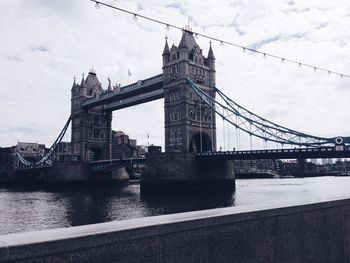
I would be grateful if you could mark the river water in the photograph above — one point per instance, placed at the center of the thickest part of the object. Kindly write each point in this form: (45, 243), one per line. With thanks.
(25, 210)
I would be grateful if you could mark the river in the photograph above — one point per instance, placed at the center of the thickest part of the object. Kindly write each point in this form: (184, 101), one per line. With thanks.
(27, 210)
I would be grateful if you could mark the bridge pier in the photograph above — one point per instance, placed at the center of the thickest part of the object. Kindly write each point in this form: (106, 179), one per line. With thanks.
(67, 173)
(185, 172)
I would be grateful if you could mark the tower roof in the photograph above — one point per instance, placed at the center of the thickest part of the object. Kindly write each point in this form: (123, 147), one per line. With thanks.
(187, 40)
(92, 80)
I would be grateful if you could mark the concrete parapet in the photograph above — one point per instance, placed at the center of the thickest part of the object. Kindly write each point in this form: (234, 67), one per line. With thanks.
(318, 232)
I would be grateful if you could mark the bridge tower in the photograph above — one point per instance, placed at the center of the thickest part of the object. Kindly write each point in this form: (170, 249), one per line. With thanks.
(91, 128)
(190, 126)
(189, 122)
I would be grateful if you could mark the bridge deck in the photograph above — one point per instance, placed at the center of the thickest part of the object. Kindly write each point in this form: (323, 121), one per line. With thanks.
(130, 95)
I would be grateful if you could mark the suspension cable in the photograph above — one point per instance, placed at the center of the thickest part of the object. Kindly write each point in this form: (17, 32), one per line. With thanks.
(45, 158)
(263, 130)
(200, 123)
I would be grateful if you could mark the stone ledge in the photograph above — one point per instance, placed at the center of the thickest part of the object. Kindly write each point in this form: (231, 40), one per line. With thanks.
(48, 242)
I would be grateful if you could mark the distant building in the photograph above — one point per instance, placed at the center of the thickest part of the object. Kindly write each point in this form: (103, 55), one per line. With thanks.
(326, 161)
(292, 167)
(30, 151)
(314, 161)
(123, 146)
(289, 167)
(154, 149)
(141, 150)
(247, 166)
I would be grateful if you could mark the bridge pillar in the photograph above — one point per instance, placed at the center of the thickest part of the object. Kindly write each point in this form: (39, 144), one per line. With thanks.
(190, 124)
(91, 128)
(183, 171)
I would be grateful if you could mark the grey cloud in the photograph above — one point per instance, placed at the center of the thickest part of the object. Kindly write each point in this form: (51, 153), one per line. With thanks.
(64, 8)
(297, 35)
(322, 25)
(275, 114)
(259, 44)
(13, 58)
(20, 130)
(39, 48)
(178, 7)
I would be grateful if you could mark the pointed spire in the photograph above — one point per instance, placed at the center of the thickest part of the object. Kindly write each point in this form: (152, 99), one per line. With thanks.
(210, 53)
(166, 50)
(82, 79)
(188, 27)
(74, 84)
(183, 42)
(109, 84)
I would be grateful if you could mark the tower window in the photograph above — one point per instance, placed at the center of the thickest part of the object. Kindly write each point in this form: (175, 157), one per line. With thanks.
(96, 133)
(96, 121)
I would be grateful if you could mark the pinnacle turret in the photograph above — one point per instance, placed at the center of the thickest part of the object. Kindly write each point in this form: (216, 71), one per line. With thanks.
(109, 84)
(211, 53)
(166, 50)
(74, 82)
(82, 80)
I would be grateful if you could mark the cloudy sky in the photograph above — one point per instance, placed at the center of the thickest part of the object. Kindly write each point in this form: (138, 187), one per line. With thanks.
(45, 43)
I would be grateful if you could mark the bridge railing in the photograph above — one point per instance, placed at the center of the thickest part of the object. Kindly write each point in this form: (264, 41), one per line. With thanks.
(337, 151)
(296, 150)
(118, 160)
(142, 83)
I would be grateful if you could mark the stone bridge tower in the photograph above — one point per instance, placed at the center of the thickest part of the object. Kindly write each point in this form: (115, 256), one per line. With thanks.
(91, 128)
(189, 122)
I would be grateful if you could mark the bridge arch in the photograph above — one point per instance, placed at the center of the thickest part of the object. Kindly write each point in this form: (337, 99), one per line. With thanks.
(200, 140)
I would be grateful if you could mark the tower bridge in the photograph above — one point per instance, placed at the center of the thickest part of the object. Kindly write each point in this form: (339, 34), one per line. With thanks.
(191, 103)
